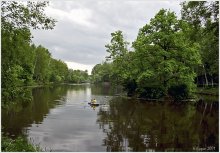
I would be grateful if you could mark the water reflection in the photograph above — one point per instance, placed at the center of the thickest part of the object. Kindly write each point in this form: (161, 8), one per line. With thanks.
(23, 114)
(133, 126)
(60, 119)
(105, 89)
(72, 126)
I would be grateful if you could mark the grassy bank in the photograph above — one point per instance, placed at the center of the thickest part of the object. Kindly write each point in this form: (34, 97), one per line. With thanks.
(20, 144)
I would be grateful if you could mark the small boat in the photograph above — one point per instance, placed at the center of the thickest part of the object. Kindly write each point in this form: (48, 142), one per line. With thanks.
(91, 104)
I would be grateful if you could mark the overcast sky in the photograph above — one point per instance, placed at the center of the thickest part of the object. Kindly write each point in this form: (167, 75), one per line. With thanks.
(83, 27)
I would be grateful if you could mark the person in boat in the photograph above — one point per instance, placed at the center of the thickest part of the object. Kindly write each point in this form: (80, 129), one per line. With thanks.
(93, 101)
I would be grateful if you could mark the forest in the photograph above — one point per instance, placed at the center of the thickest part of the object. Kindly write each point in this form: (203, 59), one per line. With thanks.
(24, 63)
(170, 56)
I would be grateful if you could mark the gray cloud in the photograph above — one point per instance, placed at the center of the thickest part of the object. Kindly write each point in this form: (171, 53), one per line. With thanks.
(84, 26)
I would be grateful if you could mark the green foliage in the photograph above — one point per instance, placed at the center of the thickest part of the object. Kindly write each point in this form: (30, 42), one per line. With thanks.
(118, 47)
(19, 144)
(119, 56)
(25, 15)
(77, 76)
(179, 92)
(203, 18)
(151, 92)
(102, 72)
(23, 63)
(42, 64)
(166, 55)
(58, 71)
(18, 55)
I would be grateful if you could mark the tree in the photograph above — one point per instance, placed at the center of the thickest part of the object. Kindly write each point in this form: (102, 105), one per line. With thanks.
(58, 71)
(102, 72)
(77, 76)
(203, 18)
(25, 15)
(164, 54)
(18, 55)
(42, 64)
(118, 55)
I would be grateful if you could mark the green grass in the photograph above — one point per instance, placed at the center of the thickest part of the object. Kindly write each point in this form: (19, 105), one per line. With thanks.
(19, 144)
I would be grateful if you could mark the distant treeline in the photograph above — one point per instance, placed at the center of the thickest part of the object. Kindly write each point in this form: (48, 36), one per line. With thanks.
(23, 63)
(169, 56)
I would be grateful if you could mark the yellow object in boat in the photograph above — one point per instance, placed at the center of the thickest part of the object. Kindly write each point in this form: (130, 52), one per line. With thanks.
(93, 101)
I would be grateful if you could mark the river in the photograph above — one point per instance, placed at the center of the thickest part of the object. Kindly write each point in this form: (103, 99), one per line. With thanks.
(59, 118)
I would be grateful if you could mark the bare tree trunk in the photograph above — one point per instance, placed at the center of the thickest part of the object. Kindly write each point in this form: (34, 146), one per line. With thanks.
(212, 82)
(206, 80)
(35, 63)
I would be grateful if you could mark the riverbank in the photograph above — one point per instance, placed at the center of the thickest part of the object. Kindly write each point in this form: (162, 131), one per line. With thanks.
(20, 144)
(35, 85)
(207, 91)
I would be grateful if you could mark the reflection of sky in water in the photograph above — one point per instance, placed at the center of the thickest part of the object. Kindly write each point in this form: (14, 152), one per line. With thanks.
(70, 127)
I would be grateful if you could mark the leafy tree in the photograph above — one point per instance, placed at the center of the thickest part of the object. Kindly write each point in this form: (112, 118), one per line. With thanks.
(77, 76)
(102, 72)
(164, 54)
(203, 18)
(15, 51)
(25, 15)
(18, 55)
(42, 64)
(118, 55)
(168, 53)
(58, 71)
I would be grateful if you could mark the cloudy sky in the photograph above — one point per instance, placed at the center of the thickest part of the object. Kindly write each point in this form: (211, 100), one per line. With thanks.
(83, 27)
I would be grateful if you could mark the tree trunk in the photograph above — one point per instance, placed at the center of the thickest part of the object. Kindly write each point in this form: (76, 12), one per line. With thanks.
(35, 63)
(206, 80)
(212, 81)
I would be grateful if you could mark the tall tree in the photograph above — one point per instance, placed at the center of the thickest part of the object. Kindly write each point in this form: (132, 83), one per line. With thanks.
(58, 71)
(77, 76)
(118, 55)
(42, 65)
(203, 17)
(102, 72)
(17, 53)
(165, 55)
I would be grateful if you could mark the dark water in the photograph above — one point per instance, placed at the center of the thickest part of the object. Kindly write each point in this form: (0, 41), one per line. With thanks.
(60, 119)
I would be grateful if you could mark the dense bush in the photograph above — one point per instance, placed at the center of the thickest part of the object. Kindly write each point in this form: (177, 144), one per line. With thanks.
(151, 92)
(179, 92)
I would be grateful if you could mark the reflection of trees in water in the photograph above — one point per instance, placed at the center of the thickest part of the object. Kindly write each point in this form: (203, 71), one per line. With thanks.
(105, 89)
(77, 87)
(23, 114)
(132, 126)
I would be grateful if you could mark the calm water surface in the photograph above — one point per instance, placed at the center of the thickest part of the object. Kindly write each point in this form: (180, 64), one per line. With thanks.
(60, 119)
